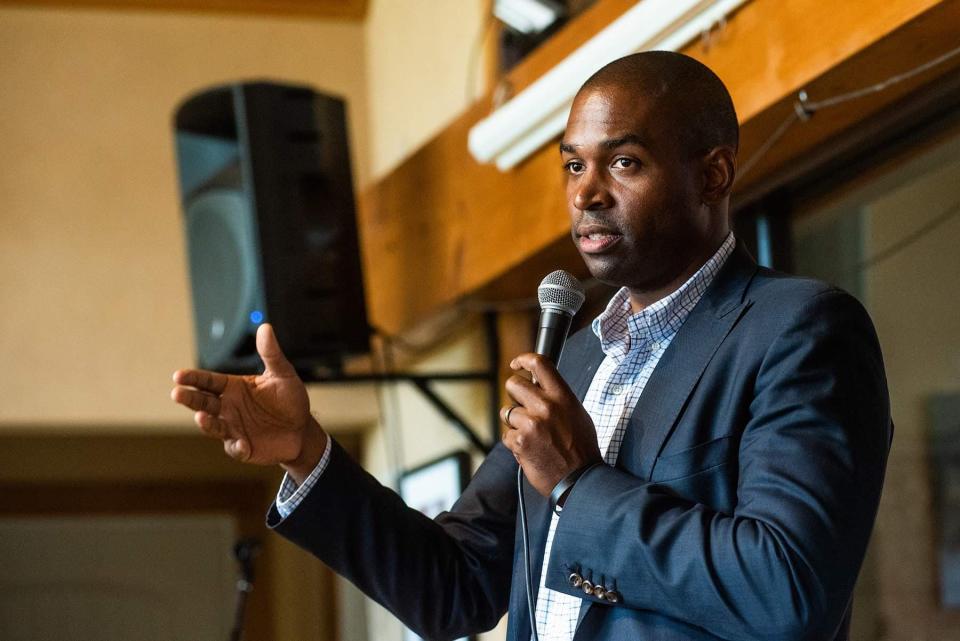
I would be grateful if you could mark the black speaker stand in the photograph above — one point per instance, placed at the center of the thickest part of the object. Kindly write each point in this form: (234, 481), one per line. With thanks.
(423, 382)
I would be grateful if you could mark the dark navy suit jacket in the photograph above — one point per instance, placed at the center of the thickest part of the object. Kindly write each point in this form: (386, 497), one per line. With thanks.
(740, 506)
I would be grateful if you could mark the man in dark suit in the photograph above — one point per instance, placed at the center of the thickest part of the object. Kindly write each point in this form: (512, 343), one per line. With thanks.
(706, 463)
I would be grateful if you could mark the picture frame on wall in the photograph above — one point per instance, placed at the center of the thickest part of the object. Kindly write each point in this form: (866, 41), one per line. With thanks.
(944, 413)
(433, 488)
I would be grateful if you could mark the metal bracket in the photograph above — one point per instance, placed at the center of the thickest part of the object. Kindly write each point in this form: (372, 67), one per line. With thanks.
(423, 382)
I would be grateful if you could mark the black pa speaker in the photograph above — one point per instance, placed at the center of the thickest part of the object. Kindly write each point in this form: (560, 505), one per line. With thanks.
(270, 224)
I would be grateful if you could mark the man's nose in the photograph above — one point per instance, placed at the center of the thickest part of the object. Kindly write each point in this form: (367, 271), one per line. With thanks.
(592, 192)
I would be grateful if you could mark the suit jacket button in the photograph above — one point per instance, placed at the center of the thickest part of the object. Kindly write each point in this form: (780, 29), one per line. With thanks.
(587, 587)
(599, 591)
(612, 596)
(575, 580)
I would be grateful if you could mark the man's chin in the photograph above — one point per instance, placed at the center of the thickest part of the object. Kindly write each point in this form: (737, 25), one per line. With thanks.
(606, 270)
(614, 273)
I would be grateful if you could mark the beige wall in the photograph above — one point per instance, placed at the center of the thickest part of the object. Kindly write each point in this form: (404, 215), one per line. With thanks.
(418, 54)
(419, 59)
(92, 267)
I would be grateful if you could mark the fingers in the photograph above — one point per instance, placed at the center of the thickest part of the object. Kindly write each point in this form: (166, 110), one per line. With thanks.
(212, 382)
(207, 408)
(544, 372)
(210, 425)
(269, 349)
(525, 393)
(237, 448)
(545, 390)
(519, 434)
(196, 399)
(510, 415)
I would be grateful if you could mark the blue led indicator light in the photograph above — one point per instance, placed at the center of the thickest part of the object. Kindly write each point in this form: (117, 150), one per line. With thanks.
(256, 317)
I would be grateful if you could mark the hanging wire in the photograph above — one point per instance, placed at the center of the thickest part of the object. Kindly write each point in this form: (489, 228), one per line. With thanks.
(804, 108)
(475, 51)
(880, 86)
(768, 144)
(855, 271)
(909, 239)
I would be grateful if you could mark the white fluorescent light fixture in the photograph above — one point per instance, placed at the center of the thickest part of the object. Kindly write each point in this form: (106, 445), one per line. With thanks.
(539, 113)
(527, 16)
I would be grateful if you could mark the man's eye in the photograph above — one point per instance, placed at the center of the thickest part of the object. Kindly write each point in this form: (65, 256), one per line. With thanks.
(624, 163)
(574, 167)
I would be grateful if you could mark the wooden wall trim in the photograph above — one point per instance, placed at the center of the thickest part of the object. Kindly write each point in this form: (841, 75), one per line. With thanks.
(328, 9)
(441, 228)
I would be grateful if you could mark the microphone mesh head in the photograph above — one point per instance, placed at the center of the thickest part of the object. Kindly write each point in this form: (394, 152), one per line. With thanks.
(561, 291)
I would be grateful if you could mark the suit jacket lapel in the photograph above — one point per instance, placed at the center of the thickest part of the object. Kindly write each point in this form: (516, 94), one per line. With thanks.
(684, 362)
(583, 359)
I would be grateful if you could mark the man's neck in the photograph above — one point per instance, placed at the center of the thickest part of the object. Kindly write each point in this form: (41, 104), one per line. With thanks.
(640, 299)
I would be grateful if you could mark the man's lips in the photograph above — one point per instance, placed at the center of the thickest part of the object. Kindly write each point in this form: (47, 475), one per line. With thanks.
(595, 239)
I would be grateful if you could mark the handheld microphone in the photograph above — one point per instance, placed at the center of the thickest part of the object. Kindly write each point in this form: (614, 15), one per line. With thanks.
(561, 296)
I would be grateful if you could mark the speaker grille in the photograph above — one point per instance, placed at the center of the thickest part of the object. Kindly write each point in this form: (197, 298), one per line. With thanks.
(223, 267)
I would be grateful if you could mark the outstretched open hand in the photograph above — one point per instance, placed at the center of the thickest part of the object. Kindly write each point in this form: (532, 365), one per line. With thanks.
(261, 419)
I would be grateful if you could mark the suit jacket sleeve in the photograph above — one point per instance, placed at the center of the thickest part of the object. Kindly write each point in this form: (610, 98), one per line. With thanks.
(809, 474)
(444, 578)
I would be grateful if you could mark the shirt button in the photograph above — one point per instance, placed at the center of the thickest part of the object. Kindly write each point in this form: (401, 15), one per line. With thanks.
(654, 347)
(617, 389)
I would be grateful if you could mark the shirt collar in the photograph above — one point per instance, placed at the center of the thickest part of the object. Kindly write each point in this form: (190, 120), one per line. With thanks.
(619, 330)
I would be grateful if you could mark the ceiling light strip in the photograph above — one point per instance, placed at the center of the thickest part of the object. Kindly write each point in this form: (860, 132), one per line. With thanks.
(538, 114)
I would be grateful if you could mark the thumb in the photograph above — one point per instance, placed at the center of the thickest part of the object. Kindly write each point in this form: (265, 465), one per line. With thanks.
(269, 349)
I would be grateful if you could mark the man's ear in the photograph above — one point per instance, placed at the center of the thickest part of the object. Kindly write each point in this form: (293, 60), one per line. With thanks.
(719, 171)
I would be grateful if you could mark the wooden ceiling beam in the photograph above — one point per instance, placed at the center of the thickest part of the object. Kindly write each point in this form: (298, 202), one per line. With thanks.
(441, 229)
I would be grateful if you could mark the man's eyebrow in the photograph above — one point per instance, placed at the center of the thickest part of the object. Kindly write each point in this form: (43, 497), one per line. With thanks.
(611, 143)
(627, 139)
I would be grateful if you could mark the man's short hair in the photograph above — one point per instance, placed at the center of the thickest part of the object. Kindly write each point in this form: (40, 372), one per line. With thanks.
(690, 92)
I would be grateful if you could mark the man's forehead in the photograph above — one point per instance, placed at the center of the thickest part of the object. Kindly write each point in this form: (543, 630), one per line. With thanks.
(597, 116)
(612, 106)
(636, 92)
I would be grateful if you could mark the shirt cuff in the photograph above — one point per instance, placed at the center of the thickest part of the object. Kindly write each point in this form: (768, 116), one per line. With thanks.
(290, 495)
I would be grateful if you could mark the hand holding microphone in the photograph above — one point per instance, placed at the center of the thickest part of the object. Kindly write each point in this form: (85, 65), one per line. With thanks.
(550, 433)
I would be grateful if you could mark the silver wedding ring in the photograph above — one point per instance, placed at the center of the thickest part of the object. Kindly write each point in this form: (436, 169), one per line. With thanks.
(507, 417)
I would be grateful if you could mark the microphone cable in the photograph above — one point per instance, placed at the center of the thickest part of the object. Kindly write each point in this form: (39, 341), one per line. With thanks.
(526, 554)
